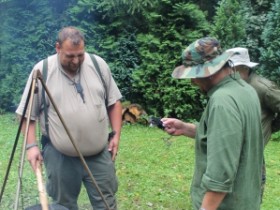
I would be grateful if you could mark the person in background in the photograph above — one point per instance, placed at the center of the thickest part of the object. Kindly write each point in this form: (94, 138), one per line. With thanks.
(228, 137)
(268, 92)
(80, 96)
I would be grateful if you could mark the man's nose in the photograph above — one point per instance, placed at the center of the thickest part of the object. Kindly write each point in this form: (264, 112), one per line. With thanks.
(75, 60)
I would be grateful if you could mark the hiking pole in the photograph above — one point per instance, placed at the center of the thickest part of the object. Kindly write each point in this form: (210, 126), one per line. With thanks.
(43, 195)
(39, 76)
(30, 103)
(15, 146)
(41, 188)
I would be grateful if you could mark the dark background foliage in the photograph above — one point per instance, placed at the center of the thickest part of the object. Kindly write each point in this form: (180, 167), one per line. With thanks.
(141, 40)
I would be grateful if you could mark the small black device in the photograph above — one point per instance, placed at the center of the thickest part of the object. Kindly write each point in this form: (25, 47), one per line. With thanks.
(155, 121)
(111, 135)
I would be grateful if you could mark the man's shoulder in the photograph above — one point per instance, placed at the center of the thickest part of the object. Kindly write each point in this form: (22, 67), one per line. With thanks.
(100, 63)
(260, 82)
(98, 58)
(50, 59)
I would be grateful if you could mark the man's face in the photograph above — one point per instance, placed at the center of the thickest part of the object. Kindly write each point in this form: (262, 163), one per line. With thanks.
(203, 84)
(71, 56)
(244, 71)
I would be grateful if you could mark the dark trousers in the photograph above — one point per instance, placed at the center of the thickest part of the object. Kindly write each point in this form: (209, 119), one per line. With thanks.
(65, 176)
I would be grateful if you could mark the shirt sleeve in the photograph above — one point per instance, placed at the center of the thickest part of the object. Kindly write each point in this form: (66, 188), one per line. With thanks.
(113, 92)
(224, 145)
(35, 102)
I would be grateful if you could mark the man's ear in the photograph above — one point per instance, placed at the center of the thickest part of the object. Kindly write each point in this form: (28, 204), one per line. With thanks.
(57, 47)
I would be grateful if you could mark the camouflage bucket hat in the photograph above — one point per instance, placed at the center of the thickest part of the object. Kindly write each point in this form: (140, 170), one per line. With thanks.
(202, 58)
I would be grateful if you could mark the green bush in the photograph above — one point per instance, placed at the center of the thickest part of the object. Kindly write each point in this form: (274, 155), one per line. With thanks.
(160, 50)
(270, 53)
(229, 24)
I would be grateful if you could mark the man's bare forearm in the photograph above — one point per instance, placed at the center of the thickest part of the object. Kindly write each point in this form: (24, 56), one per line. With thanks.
(212, 200)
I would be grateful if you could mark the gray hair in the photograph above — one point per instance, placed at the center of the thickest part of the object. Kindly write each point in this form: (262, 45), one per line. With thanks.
(72, 33)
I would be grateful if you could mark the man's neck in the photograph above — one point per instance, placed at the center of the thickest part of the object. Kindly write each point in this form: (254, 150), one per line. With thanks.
(72, 74)
(220, 75)
(244, 72)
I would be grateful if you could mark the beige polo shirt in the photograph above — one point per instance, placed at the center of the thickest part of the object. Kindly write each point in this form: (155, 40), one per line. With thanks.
(86, 120)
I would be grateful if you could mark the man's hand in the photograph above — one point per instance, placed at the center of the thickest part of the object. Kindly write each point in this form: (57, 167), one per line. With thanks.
(115, 116)
(177, 127)
(113, 147)
(34, 157)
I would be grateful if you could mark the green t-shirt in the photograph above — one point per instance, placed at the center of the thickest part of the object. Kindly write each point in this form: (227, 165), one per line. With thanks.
(229, 147)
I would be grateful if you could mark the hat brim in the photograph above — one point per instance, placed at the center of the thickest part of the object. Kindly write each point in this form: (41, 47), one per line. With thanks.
(202, 70)
(249, 64)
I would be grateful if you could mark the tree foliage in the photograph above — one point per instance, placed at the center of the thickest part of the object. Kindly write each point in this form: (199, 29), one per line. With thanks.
(160, 53)
(25, 39)
(270, 52)
(141, 40)
(229, 24)
(255, 16)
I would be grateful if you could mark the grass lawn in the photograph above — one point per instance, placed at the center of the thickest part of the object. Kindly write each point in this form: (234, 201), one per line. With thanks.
(154, 171)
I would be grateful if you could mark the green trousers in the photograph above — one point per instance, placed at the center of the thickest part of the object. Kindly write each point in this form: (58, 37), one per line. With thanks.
(65, 176)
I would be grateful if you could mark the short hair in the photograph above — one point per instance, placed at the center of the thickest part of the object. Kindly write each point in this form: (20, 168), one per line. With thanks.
(72, 33)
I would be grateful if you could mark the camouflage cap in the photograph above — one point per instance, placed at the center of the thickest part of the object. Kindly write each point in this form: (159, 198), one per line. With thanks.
(202, 58)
